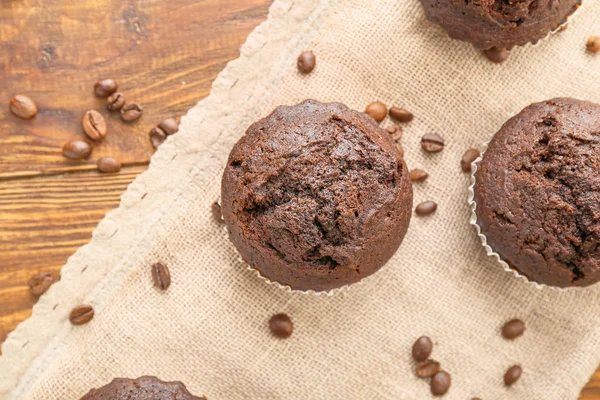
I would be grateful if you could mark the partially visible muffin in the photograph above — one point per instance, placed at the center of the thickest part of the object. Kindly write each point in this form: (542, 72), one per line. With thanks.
(499, 23)
(316, 196)
(537, 193)
(144, 388)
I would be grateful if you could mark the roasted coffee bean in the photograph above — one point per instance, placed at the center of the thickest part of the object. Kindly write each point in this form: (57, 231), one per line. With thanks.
(215, 209)
(131, 111)
(417, 175)
(109, 165)
(377, 110)
(41, 282)
(425, 208)
(467, 158)
(496, 55)
(475, 398)
(157, 136)
(512, 375)
(23, 107)
(393, 130)
(81, 314)
(400, 114)
(169, 126)
(422, 348)
(281, 326)
(161, 276)
(593, 44)
(513, 329)
(115, 101)
(94, 125)
(427, 368)
(432, 143)
(440, 383)
(105, 87)
(77, 149)
(306, 62)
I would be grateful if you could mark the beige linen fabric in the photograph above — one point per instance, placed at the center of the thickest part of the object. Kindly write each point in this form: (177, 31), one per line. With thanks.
(209, 329)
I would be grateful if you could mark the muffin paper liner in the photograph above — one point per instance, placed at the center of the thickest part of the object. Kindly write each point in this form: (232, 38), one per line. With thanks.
(287, 288)
(559, 28)
(483, 238)
(329, 293)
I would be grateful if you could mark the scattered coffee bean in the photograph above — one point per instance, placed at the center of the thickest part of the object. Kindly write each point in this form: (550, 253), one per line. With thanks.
(432, 143)
(281, 326)
(475, 398)
(169, 126)
(109, 165)
(513, 329)
(161, 276)
(306, 62)
(512, 375)
(115, 101)
(131, 111)
(496, 55)
(425, 208)
(396, 134)
(157, 136)
(377, 110)
(400, 114)
(215, 209)
(427, 368)
(440, 383)
(94, 125)
(417, 175)
(400, 148)
(41, 282)
(393, 130)
(81, 315)
(593, 44)
(105, 87)
(77, 149)
(23, 107)
(467, 158)
(422, 348)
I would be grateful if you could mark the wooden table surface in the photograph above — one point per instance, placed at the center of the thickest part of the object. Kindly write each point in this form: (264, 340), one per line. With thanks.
(163, 53)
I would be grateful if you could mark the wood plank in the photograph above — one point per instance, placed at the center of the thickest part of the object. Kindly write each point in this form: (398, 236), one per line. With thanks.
(163, 54)
(591, 391)
(43, 221)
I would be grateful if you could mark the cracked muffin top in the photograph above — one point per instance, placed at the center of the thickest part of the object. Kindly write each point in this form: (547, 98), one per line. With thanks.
(316, 196)
(499, 23)
(144, 388)
(538, 192)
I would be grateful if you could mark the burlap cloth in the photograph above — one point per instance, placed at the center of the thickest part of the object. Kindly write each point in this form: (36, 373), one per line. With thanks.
(209, 329)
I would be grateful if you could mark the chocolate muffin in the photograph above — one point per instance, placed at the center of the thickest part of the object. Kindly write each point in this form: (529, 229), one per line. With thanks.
(316, 196)
(537, 193)
(499, 23)
(144, 388)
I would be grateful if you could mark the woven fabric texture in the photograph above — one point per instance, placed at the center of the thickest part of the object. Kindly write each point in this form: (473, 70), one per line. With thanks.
(209, 329)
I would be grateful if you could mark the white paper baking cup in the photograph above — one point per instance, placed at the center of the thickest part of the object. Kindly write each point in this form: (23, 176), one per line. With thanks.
(559, 28)
(490, 252)
(553, 32)
(287, 288)
(329, 293)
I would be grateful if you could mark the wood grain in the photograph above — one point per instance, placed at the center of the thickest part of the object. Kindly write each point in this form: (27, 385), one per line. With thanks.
(164, 54)
(43, 221)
